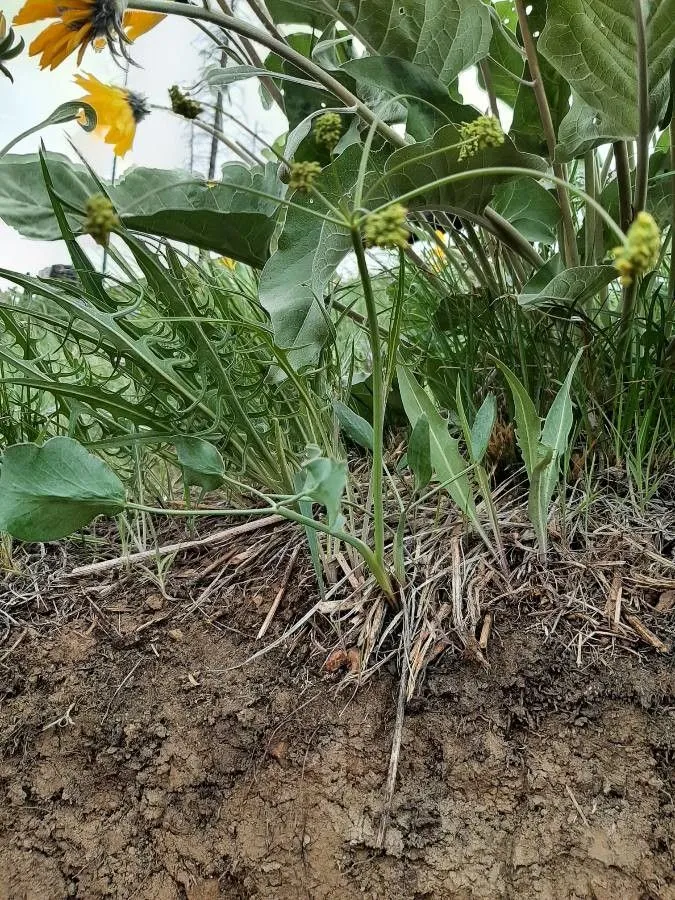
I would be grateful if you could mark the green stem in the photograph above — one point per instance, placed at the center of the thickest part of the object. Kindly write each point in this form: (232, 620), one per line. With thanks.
(642, 165)
(623, 184)
(376, 483)
(589, 223)
(509, 170)
(570, 246)
(368, 556)
(671, 279)
(245, 155)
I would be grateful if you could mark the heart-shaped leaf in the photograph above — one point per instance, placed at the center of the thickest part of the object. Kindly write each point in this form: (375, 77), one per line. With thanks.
(48, 492)
(594, 47)
(202, 463)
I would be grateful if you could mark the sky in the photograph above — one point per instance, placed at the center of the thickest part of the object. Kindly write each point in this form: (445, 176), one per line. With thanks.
(173, 52)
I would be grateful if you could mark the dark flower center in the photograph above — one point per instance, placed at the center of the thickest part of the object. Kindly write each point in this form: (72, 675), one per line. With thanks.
(139, 107)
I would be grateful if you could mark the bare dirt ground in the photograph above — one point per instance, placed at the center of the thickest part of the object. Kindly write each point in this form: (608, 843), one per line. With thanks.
(135, 761)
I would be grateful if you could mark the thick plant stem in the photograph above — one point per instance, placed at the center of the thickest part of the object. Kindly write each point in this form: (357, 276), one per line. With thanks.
(590, 226)
(623, 184)
(379, 400)
(489, 87)
(504, 231)
(642, 164)
(570, 246)
(671, 279)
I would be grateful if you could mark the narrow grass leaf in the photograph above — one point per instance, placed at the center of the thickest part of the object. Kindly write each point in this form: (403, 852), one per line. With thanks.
(445, 456)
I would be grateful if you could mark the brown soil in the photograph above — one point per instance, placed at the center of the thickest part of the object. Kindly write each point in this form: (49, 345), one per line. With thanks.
(141, 764)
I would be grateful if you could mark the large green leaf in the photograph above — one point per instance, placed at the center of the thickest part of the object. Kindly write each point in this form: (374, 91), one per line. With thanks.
(48, 492)
(584, 128)
(296, 277)
(446, 459)
(445, 36)
(324, 481)
(572, 287)
(592, 44)
(297, 12)
(413, 166)
(530, 208)
(225, 217)
(419, 452)
(428, 101)
(354, 426)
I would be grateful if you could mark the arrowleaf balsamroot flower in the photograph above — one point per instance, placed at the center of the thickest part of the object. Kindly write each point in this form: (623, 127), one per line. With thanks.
(136, 23)
(118, 111)
(387, 228)
(327, 130)
(303, 175)
(101, 219)
(483, 132)
(641, 249)
(8, 49)
(78, 24)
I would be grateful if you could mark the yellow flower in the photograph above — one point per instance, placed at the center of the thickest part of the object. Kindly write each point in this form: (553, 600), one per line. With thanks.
(227, 263)
(438, 258)
(641, 250)
(78, 24)
(118, 111)
(137, 23)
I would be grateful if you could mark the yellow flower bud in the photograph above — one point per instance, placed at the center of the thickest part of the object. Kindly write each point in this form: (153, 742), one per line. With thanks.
(101, 219)
(303, 175)
(483, 132)
(640, 251)
(387, 228)
(327, 130)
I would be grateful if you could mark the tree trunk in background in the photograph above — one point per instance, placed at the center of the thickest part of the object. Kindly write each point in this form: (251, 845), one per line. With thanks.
(217, 126)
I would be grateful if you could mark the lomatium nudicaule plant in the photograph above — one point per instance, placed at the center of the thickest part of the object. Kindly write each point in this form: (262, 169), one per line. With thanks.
(511, 269)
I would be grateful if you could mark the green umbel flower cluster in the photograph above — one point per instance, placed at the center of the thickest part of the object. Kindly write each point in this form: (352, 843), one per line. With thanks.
(101, 219)
(328, 130)
(387, 228)
(640, 252)
(182, 105)
(303, 175)
(483, 132)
